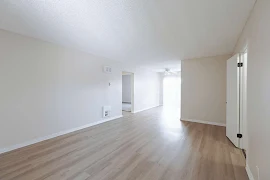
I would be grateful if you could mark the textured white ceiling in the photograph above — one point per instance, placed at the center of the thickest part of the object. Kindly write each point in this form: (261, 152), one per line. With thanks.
(140, 31)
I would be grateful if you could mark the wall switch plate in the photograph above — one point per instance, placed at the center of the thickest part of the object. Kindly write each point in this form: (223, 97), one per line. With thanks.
(107, 69)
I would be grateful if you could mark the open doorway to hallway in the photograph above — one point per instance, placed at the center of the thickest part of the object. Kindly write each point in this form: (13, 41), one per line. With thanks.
(127, 92)
(172, 93)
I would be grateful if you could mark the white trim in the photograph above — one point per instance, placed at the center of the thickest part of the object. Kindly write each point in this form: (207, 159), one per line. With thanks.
(145, 109)
(203, 122)
(34, 141)
(249, 173)
(243, 104)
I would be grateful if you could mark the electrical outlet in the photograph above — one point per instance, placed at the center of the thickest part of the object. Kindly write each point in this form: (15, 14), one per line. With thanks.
(258, 172)
(106, 111)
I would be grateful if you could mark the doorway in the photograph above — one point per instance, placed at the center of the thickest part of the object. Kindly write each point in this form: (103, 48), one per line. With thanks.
(172, 94)
(127, 92)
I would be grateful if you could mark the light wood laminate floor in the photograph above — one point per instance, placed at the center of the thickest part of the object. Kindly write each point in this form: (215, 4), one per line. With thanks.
(150, 145)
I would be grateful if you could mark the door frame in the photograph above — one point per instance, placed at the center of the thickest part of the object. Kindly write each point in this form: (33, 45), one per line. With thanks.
(243, 96)
(131, 86)
(243, 58)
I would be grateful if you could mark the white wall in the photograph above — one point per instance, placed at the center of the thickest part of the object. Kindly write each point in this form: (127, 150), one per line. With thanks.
(126, 88)
(204, 89)
(45, 88)
(256, 37)
(146, 90)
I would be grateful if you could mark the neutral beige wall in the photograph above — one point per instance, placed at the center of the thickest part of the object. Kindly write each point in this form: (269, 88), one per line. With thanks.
(204, 89)
(256, 37)
(45, 89)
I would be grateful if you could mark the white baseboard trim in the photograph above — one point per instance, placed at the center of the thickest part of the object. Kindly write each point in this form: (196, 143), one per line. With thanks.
(37, 140)
(203, 122)
(145, 109)
(249, 173)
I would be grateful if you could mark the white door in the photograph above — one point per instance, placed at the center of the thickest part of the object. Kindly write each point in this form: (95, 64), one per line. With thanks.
(233, 95)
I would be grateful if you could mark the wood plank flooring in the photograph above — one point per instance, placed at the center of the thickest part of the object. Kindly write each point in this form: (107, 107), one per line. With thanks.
(150, 145)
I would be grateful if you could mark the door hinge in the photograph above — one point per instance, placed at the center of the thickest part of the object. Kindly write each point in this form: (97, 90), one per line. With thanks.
(239, 135)
(239, 64)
